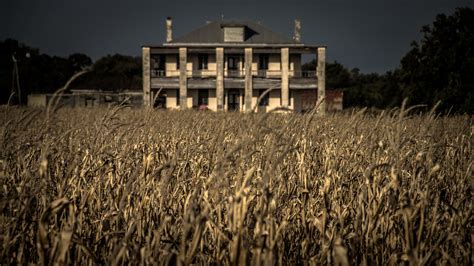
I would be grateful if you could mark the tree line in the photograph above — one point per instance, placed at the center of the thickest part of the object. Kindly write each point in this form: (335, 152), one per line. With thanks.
(24, 70)
(440, 67)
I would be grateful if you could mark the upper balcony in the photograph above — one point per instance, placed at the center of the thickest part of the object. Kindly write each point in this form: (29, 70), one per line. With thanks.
(205, 79)
(271, 74)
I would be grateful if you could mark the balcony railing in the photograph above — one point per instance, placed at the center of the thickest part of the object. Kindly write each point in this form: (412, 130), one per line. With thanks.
(201, 73)
(232, 73)
(154, 73)
(263, 73)
(304, 74)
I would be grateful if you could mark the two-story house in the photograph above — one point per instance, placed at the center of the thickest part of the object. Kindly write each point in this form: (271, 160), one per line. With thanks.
(228, 65)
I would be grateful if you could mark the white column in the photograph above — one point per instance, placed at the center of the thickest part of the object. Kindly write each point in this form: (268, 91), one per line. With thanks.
(321, 75)
(248, 79)
(183, 79)
(146, 76)
(220, 78)
(284, 77)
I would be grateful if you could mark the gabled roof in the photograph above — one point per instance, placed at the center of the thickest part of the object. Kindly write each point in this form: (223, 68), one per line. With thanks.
(213, 33)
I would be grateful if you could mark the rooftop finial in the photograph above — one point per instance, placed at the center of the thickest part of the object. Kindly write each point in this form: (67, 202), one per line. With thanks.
(222, 16)
(169, 29)
(297, 32)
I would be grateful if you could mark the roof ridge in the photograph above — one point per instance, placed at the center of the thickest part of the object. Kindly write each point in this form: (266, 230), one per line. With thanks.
(211, 32)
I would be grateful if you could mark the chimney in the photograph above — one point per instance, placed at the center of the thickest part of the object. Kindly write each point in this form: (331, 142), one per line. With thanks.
(169, 29)
(297, 34)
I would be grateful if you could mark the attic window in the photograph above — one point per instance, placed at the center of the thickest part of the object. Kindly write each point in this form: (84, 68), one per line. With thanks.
(234, 34)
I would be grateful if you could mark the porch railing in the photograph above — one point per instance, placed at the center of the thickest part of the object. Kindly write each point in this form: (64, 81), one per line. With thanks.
(233, 73)
(154, 73)
(264, 73)
(304, 74)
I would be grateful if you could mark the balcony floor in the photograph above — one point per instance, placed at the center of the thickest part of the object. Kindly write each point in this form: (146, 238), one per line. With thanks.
(237, 83)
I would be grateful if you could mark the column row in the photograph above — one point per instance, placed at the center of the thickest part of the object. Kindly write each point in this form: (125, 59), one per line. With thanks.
(183, 79)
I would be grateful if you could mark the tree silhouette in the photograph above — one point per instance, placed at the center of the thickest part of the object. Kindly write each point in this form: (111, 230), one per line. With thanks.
(113, 73)
(440, 67)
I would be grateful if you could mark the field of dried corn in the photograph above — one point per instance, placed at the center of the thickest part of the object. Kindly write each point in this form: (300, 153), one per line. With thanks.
(119, 186)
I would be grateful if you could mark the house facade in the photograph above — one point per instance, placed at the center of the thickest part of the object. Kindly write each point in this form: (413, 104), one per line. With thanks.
(229, 66)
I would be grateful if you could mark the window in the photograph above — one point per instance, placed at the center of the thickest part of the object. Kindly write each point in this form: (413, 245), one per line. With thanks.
(232, 63)
(264, 101)
(177, 98)
(263, 62)
(202, 61)
(177, 61)
(158, 64)
(289, 97)
(233, 100)
(234, 34)
(158, 61)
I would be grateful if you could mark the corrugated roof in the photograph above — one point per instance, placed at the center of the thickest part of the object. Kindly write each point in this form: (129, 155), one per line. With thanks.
(213, 33)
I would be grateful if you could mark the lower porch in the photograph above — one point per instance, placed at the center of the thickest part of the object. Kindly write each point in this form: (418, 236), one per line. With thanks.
(234, 99)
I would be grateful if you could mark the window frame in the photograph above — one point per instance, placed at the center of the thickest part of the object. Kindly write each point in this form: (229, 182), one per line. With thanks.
(203, 61)
(263, 61)
(158, 62)
(235, 65)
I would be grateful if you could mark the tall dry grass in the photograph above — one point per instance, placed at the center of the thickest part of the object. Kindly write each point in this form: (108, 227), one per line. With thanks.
(115, 186)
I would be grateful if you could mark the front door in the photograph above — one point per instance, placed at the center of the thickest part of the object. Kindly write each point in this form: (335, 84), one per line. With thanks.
(203, 99)
(233, 100)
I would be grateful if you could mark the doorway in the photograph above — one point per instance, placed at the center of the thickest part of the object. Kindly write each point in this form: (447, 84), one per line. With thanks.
(203, 99)
(159, 101)
(233, 100)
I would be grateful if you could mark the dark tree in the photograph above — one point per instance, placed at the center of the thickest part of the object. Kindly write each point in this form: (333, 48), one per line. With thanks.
(113, 73)
(440, 67)
(37, 73)
(79, 61)
(362, 90)
(11, 50)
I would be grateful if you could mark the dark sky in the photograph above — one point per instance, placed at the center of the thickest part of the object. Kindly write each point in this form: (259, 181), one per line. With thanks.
(372, 35)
